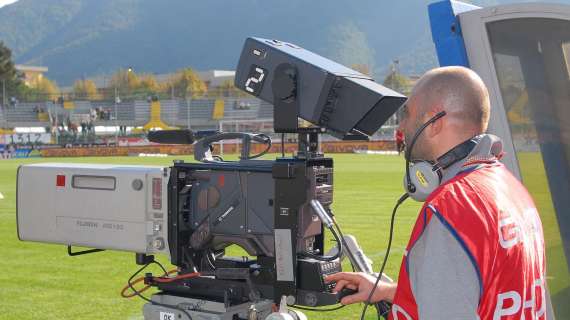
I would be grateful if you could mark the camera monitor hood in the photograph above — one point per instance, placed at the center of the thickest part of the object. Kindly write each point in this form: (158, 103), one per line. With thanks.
(300, 83)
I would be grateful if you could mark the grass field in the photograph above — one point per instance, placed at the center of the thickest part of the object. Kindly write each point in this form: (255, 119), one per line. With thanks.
(39, 281)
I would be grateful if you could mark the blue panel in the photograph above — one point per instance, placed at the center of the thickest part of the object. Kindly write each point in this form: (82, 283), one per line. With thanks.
(446, 32)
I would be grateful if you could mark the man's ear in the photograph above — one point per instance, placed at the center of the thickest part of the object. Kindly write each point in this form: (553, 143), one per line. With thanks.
(435, 128)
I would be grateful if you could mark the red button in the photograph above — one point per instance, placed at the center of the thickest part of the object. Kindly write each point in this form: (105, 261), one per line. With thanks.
(60, 180)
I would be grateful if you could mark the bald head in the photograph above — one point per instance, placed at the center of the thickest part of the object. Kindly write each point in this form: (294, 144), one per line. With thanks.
(459, 92)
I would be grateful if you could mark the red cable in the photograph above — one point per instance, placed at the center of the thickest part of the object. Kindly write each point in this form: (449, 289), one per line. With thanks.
(157, 279)
(178, 277)
(123, 292)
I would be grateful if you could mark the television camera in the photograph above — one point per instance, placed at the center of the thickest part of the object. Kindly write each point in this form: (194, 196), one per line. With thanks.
(276, 210)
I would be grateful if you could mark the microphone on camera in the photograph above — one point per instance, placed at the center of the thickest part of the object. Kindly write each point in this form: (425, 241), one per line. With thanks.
(356, 255)
(171, 136)
(322, 213)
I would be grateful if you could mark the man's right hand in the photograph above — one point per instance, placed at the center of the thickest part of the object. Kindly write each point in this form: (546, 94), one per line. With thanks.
(362, 283)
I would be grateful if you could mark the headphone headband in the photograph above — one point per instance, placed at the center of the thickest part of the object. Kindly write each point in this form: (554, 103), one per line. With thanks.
(458, 152)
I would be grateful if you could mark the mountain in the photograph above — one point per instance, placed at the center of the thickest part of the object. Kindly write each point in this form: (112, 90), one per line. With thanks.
(83, 38)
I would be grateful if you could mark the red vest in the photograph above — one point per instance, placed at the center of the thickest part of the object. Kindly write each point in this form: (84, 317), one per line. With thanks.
(495, 220)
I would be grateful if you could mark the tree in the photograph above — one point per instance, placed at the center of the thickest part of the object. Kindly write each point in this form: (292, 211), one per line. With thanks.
(10, 83)
(125, 81)
(7, 68)
(43, 89)
(397, 81)
(348, 45)
(187, 84)
(85, 89)
(148, 84)
(362, 68)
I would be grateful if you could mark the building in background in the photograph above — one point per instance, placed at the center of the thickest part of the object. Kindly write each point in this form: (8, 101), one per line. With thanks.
(31, 73)
(215, 78)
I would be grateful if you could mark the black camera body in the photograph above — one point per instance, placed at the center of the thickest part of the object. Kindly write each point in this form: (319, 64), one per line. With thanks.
(261, 206)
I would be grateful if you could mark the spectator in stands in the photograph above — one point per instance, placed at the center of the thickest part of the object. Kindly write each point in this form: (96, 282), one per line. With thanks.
(72, 127)
(83, 128)
(243, 106)
(93, 114)
(400, 144)
(11, 150)
(13, 101)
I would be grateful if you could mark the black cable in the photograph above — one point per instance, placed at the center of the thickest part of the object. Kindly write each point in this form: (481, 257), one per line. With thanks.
(398, 203)
(161, 267)
(267, 141)
(283, 145)
(344, 242)
(136, 292)
(327, 258)
(319, 310)
(209, 255)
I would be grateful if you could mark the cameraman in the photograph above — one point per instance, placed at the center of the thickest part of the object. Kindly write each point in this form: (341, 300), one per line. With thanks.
(477, 249)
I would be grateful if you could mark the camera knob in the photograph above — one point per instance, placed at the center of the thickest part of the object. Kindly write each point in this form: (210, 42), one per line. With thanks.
(158, 243)
(285, 83)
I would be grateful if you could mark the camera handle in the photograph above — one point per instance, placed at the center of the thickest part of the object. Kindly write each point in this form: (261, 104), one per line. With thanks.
(203, 148)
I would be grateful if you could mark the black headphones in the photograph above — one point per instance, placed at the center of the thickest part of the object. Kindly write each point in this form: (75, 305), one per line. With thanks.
(423, 177)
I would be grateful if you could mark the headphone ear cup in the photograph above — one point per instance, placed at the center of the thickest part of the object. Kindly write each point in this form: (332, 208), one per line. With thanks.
(424, 178)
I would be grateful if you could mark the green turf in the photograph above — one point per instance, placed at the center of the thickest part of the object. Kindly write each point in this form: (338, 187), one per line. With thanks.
(534, 178)
(39, 281)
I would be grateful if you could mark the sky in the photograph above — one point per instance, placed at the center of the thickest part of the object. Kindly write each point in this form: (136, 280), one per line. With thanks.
(5, 2)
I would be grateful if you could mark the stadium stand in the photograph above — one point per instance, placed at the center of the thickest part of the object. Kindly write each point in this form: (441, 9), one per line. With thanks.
(26, 115)
(125, 113)
(3, 123)
(241, 109)
(265, 110)
(182, 112)
(82, 107)
(199, 114)
(227, 114)
(141, 109)
(169, 112)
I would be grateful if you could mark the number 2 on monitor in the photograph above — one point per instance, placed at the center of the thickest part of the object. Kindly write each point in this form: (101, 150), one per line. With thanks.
(255, 80)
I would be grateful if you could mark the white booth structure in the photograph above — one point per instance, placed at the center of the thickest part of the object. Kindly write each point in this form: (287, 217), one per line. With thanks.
(522, 53)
